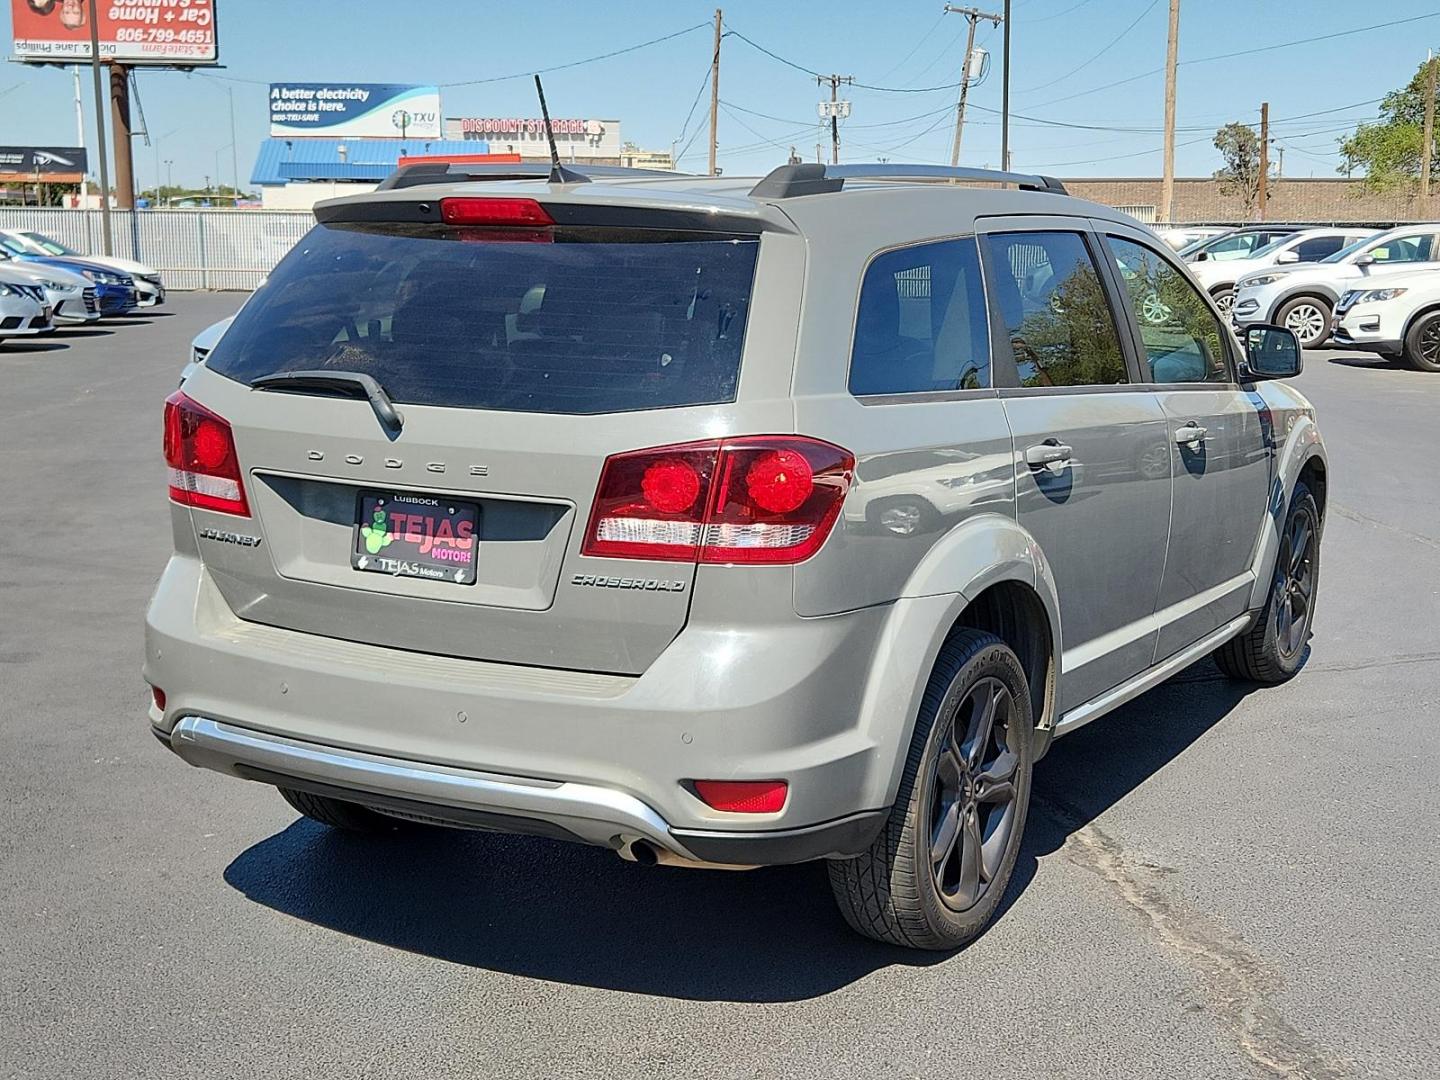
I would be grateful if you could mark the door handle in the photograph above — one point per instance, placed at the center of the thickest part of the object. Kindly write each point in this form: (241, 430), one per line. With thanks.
(1047, 453)
(1190, 434)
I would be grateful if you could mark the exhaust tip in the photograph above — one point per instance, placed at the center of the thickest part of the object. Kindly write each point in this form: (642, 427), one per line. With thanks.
(644, 853)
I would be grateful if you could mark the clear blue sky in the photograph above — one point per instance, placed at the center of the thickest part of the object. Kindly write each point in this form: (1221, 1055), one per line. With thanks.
(1062, 50)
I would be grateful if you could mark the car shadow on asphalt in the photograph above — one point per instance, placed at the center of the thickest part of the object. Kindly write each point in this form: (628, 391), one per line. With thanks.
(81, 332)
(1369, 361)
(571, 914)
(19, 345)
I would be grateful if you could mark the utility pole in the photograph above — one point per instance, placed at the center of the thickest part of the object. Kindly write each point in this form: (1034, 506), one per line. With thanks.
(106, 235)
(1264, 193)
(1280, 165)
(1427, 141)
(972, 16)
(1005, 98)
(835, 109)
(715, 90)
(1167, 190)
(120, 120)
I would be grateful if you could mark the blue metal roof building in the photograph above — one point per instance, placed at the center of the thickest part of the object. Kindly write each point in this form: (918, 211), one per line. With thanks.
(284, 161)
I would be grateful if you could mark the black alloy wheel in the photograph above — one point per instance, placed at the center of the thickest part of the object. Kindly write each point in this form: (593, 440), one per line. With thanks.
(972, 805)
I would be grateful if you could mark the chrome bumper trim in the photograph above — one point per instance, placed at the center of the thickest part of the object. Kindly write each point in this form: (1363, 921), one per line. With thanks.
(597, 815)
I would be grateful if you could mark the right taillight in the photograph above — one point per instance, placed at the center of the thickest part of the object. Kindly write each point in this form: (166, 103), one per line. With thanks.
(759, 499)
(200, 450)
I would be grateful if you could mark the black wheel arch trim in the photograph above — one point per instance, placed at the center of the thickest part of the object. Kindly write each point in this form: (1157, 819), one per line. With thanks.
(1415, 317)
(1314, 291)
(841, 838)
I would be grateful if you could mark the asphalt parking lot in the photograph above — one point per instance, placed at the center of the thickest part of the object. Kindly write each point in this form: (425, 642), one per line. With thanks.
(1217, 881)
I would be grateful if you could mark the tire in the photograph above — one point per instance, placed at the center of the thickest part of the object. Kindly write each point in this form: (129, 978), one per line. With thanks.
(1311, 318)
(1422, 343)
(337, 814)
(1224, 298)
(895, 892)
(1271, 651)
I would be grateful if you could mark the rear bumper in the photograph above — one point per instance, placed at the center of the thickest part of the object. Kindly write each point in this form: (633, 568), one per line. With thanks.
(469, 798)
(604, 759)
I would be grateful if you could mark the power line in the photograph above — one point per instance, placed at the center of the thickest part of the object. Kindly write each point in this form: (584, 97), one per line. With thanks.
(578, 63)
(1058, 14)
(1241, 52)
(693, 105)
(817, 75)
(906, 58)
(1112, 43)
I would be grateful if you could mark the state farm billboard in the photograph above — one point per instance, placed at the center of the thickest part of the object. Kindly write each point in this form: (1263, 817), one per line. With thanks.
(179, 32)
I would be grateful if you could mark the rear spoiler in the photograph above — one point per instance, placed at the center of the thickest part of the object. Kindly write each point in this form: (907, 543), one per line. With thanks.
(423, 173)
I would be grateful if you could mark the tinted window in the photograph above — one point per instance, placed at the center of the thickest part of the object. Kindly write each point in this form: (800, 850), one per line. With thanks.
(1182, 337)
(1416, 247)
(1238, 246)
(589, 321)
(1319, 248)
(921, 323)
(1049, 293)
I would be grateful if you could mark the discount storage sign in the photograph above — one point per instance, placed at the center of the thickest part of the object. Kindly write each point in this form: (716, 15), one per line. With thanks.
(355, 110)
(164, 32)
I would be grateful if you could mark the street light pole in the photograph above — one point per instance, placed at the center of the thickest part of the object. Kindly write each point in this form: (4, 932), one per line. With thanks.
(234, 151)
(106, 235)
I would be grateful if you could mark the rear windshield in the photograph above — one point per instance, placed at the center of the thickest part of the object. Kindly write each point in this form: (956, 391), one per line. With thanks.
(588, 321)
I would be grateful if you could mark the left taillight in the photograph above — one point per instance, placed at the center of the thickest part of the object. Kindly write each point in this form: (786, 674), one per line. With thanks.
(200, 451)
(758, 499)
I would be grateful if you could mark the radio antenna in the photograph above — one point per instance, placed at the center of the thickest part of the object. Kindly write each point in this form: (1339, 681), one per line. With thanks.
(558, 173)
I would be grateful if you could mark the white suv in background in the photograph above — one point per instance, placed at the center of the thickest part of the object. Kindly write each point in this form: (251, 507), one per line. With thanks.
(1306, 246)
(1399, 319)
(1303, 298)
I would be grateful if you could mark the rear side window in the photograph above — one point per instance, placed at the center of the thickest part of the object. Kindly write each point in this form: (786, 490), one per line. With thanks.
(921, 322)
(1401, 249)
(1321, 247)
(585, 321)
(1061, 328)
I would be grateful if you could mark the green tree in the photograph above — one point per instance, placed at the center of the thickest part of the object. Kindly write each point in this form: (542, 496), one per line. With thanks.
(1388, 150)
(1240, 147)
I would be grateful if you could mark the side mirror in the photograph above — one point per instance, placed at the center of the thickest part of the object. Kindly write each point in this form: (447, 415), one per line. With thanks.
(1365, 260)
(1201, 256)
(1272, 352)
(1286, 257)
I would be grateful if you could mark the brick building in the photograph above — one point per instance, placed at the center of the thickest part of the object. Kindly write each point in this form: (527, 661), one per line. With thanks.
(1200, 199)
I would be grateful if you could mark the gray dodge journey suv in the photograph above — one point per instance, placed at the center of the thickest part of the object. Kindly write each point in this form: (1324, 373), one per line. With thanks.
(722, 522)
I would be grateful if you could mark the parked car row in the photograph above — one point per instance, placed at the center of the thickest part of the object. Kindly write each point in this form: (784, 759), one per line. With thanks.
(1349, 287)
(44, 283)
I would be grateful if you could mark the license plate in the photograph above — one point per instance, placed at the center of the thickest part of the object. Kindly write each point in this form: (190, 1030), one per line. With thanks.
(416, 536)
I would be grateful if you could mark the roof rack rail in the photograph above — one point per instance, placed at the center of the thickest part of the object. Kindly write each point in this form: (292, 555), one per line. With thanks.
(421, 173)
(790, 181)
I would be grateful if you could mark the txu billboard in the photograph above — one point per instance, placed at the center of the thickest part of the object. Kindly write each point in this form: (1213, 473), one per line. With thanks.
(355, 110)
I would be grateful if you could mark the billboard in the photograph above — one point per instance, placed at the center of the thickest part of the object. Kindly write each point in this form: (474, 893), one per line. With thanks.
(355, 110)
(576, 139)
(42, 161)
(163, 32)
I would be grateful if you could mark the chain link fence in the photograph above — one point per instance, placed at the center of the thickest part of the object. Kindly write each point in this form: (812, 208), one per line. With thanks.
(192, 249)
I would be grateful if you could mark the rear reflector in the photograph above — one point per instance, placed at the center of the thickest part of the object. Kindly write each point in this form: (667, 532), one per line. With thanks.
(200, 450)
(760, 499)
(489, 211)
(743, 796)
(158, 696)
